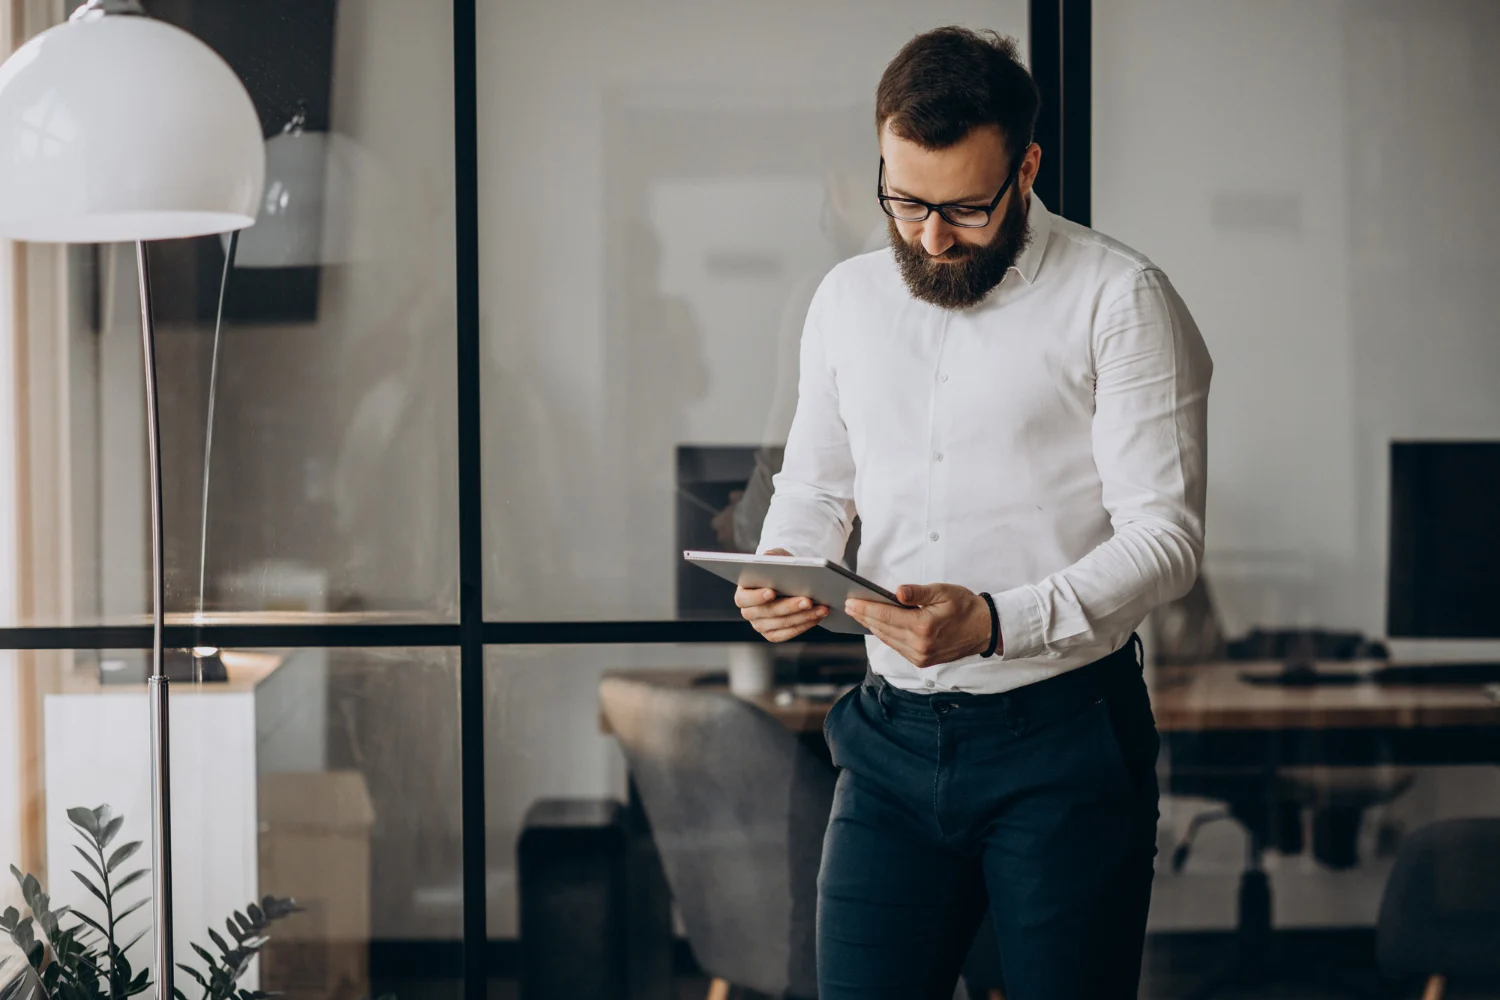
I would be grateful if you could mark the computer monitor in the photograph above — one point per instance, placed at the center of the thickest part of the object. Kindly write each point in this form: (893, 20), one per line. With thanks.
(706, 476)
(1444, 571)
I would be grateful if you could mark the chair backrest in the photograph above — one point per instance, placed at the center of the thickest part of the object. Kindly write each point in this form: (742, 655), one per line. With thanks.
(738, 807)
(1440, 914)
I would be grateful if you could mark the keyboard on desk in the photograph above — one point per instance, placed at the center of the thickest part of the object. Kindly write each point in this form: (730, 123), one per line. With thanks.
(1439, 673)
(1394, 675)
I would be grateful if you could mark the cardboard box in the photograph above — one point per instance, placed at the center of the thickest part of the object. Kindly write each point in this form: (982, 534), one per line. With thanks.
(315, 848)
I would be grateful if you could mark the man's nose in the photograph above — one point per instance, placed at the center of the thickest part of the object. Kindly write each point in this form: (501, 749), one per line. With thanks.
(937, 235)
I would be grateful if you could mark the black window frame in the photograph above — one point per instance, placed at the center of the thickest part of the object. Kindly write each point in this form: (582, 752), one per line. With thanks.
(1060, 54)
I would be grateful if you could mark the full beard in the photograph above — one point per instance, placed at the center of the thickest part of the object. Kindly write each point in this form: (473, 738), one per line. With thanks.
(976, 269)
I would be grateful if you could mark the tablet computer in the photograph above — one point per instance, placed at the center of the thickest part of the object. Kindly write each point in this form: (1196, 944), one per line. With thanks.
(822, 580)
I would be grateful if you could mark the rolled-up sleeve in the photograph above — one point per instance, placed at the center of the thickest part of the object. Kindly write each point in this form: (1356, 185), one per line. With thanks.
(1150, 445)
(812, 508)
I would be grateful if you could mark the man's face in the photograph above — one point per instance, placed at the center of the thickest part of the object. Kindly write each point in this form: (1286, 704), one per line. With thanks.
(947, 265)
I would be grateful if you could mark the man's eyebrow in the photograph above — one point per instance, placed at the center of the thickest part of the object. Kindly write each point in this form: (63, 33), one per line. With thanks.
(971, 199)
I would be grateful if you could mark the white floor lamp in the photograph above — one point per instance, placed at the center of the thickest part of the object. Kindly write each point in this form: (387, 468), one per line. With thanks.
(118, 128)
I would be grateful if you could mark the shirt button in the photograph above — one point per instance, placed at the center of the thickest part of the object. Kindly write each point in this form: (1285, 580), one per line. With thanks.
(942, 378)
(933, 536)
(938, 457)
(931, 684)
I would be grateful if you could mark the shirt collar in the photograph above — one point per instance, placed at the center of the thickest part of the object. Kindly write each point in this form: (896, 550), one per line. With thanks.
(1039, 222)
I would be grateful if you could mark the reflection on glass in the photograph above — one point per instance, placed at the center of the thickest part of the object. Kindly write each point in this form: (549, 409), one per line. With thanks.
(1344, 294)
(695, 179)
(327, 777)
(329, 482)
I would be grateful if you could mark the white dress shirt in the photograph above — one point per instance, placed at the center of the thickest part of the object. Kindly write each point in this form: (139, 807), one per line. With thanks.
(1047, 445)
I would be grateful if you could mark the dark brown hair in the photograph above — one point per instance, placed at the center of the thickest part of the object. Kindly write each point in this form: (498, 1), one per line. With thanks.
(946, 82)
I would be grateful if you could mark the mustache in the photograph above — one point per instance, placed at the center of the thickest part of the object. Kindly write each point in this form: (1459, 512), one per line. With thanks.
(958, 251)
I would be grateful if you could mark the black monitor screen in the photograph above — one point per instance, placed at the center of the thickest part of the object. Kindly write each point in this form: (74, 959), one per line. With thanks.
(1445, 540)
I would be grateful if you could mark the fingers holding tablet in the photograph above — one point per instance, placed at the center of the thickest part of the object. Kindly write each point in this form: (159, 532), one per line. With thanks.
(777, 618)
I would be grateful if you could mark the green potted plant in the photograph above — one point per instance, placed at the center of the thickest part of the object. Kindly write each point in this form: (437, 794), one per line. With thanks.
(80, 957)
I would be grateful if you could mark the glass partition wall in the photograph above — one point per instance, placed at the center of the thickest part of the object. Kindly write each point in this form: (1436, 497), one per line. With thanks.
(431, 459)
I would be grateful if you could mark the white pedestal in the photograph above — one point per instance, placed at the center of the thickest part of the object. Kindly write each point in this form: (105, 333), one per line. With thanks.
(98, 750)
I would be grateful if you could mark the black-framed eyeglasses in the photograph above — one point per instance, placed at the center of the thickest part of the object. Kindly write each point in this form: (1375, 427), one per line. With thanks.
(963, 216)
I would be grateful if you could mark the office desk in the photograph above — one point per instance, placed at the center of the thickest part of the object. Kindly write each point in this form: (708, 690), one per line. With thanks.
(1210, 714)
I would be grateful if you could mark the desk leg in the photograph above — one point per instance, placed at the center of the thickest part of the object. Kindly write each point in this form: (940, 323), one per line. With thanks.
(649, 904)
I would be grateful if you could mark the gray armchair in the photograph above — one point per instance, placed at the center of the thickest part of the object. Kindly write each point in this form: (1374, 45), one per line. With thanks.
(738, 806)
(1440, 915)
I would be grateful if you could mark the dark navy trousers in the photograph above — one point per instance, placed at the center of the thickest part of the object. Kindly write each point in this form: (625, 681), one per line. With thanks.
(1040, 803)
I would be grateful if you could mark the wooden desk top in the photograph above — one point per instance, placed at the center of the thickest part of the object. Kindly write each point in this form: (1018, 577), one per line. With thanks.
(1209, 697)
(1214, 697)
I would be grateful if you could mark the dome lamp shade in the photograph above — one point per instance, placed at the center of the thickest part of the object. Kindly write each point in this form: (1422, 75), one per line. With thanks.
(117, 127)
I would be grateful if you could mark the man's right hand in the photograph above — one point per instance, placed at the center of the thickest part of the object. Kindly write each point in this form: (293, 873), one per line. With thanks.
(777, 618)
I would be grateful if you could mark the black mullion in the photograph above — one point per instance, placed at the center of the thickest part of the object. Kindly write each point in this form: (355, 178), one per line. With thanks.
(1061, 63)
(260, 636)
(470, 497)
(413, 634)
(1077, 82)
(1044, 27)
(520, 633)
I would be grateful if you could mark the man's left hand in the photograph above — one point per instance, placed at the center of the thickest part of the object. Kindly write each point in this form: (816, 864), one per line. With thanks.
(945, 622)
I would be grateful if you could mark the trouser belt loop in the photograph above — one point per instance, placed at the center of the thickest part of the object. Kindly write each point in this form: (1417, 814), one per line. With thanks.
(879, 684)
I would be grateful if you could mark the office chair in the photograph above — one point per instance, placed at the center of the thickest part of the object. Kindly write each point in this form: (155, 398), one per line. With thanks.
(1440, 914)
(1269, 801)
(738, 805)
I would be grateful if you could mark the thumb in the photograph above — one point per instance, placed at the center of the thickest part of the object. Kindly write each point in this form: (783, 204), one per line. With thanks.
(917, 595)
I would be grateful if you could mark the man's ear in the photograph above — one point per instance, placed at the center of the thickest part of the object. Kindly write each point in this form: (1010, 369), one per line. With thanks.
(1031, 163)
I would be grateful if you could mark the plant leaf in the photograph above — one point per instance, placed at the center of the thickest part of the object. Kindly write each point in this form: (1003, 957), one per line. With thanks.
(203, 953)
(30, 889)
(110, 829)
(194, 973)
(122, 855)
(131, 908)
(119, 966)
(89, 960)
(90, 921)
(85, 855)
(84, 819)
(130, 879)
(132, 942)
(244, 922)
(91, 887)
(8, 920)
(218, 941)
(256, 914)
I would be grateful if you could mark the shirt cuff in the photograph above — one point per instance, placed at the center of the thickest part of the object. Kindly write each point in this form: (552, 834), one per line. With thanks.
(1021, 634)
